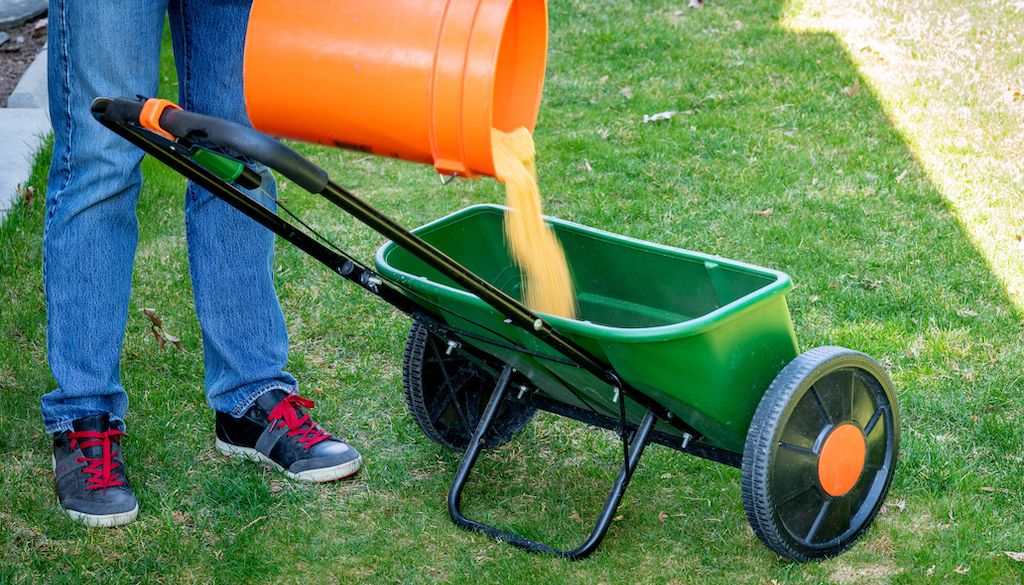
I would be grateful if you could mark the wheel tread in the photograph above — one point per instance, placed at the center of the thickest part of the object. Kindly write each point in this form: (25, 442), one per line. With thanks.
(757, 451)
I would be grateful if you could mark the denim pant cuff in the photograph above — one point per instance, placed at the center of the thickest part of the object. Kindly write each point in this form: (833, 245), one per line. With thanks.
(65, 425)
(255, 395)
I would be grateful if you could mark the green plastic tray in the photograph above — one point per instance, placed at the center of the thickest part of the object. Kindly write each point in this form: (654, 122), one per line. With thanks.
(702, 335)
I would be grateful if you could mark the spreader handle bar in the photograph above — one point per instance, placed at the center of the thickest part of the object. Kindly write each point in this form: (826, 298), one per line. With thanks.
(210, 131)
(118, 113)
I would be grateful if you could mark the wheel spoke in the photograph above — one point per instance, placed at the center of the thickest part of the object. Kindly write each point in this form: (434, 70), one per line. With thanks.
(472, 402)
(863, 401)
(799, 513)
(786, 499)
(870, 426)
(444, 360)
(837, 520)
(438, 405)
(805, 423)
(821, 405)
(877, 440)
(793, 474)
(834, 391)
(818, 520)
(448, 384)
(798, 449)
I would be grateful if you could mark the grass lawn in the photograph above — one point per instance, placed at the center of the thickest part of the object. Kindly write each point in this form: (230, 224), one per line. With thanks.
(884, 136)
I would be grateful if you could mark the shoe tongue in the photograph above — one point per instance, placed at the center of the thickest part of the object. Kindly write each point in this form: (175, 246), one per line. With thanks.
(96, 422)
(271, 399)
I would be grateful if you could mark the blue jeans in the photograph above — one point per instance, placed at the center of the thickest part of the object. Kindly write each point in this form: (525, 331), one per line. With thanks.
(112, 48)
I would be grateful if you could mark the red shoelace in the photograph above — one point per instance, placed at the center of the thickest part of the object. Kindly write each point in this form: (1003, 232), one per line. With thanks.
(103, 469)
(287, 414)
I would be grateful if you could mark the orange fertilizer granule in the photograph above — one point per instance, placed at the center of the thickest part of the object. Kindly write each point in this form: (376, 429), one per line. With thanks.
(547, 284)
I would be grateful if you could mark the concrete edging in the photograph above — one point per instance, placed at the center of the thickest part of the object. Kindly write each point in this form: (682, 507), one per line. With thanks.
(24, 124)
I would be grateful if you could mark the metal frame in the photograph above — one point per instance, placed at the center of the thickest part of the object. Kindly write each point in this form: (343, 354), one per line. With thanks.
(604, 519)
(175, 155)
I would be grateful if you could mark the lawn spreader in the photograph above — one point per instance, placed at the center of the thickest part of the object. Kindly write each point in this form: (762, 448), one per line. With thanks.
(687, 350)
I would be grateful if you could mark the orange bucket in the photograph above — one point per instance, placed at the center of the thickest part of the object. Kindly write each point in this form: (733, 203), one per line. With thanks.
(420, 80)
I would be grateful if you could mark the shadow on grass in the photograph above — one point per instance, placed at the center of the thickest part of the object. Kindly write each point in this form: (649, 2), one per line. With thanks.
(880, 261)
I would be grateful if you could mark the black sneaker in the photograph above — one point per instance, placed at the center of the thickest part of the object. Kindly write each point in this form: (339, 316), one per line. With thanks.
(89, 468)
(276, 430)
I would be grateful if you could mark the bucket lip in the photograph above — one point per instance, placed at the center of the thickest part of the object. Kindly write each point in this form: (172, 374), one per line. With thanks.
(532, 125)
(462, 166)
(781, 283)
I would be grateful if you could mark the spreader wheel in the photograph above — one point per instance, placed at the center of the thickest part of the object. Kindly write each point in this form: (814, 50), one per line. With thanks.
(820, 453)
(446, 392)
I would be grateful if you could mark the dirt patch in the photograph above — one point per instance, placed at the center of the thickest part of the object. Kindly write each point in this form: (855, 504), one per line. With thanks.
(24, 42)
(874, 573)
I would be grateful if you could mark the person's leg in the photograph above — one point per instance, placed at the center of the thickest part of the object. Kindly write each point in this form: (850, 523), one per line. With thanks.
(259, 416)
(96, 48)
(245, 343)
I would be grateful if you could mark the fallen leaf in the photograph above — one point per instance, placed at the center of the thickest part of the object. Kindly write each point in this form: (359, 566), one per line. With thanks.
(173, 341)
(617, 518)
(930, 571)
(1017, 556)
(898, 504)
(153, 317)
(1019, 237)
(961, 570)
(852, 90)
(627, 92)
(587, 167)
(27, 194)
(668, 115)
(966, 313)
(662, 516)
(276, 487)
(574, 516)
(157, 329)
(766, 212)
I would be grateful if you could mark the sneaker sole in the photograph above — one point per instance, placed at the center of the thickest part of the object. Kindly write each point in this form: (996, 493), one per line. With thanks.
(323, 474)
(98, 520)
(104, 520)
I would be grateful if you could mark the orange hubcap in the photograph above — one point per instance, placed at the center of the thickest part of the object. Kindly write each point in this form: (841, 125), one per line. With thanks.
(842, 459)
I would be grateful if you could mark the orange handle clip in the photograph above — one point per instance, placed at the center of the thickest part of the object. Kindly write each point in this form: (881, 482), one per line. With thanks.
(149, 117)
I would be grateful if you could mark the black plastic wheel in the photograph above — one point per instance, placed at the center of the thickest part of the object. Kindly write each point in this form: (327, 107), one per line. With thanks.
(446, 392)
(820, 453)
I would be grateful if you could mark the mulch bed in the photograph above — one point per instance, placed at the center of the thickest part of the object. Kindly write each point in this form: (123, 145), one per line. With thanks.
(24, 42)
